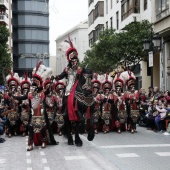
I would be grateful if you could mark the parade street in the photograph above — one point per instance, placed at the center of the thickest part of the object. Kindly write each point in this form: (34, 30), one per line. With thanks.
(144, 150)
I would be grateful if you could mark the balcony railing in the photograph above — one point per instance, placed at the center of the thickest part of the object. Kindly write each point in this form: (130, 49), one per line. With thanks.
(4, 3)
(4, 19)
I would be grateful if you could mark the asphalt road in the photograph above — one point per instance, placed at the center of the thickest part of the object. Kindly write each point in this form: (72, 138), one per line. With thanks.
(144, 150)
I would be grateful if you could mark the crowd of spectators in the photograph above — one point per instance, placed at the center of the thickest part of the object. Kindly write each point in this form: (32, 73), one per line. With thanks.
(2, 118)
(154, 109)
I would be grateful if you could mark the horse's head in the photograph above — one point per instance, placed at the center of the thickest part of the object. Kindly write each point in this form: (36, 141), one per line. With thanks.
(85, 79)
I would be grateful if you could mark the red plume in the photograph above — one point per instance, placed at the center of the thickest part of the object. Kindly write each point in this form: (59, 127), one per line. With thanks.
(70, 42)
(38, 65)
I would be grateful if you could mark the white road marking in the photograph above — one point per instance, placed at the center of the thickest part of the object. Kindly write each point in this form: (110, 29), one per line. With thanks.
(28, 161)
(46, 168)
(134, 146)
(2, 161)
(163, 153)
(69, 158)
(28, 153)
(29, 168)
(44, 160)
(42, 153)
(127, 155)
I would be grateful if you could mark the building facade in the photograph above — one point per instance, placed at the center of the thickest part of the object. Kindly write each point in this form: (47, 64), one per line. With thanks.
(116, 14)
(30, 34)
(161, 21)
(79, 37)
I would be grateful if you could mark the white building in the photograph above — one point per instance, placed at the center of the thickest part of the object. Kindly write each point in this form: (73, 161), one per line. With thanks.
(117, 14)
(79, 37)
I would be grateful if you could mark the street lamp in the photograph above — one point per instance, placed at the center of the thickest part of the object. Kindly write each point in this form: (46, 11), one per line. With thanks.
(152, 46)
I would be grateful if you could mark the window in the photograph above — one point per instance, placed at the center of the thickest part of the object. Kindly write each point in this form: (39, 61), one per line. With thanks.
(111, 4)
(91, 38)
(162, 9)
(145, 4)
(111, 23)
(106, 6)
(99, 10)
(90, 18)
(128, 7)
(98, 30)
(117, 20)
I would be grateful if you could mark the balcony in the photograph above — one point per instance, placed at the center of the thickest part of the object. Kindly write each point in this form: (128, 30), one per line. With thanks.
(4, 4)
(4, 19)
(131, 18)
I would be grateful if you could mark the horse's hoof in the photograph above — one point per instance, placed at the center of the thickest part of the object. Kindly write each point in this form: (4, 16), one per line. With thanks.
(132, 131)
(70, 143)
(79, 144)
(30, 148)
(57, 143)
(9, 135)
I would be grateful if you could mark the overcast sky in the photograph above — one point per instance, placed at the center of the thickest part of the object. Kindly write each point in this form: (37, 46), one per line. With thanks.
(64, 15)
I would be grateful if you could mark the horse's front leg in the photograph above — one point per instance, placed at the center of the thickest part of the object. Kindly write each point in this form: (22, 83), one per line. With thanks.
(91, 132)
(78, 141)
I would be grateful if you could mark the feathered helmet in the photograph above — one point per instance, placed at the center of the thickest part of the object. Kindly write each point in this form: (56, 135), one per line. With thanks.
(107, 83)
(95, 82)
(59, 85)
(12, 79)
(118, 80)
(41, 73)
(131, 80)
(68, 47)
(25, 82)
(46, 82)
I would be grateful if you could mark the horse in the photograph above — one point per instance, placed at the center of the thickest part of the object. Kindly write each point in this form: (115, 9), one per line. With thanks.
(83, 105)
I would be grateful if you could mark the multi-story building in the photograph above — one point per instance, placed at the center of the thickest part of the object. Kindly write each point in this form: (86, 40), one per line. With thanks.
(5, 19)
(79, 37)
(116, 14)
(30, 34)
(161, 20)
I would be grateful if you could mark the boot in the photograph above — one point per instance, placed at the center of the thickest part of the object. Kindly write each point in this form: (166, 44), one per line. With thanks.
(43, 145)
(30, 148)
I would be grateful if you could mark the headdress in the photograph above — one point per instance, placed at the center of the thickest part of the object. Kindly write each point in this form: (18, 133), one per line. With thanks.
(118, 80)
(12, 79)
(68, 47)
(128, 77)
(41, 73)
(59, 85)
(25, 82)
(107, 84)
(95, 82)
(131, 79)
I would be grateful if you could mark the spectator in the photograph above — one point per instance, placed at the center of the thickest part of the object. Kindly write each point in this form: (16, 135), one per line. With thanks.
(161, 116)
(167, 97)
(2, 124)
(150, 117)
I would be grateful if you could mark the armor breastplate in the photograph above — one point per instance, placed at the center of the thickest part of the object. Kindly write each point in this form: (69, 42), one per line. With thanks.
(71, 80)
(35, 102)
